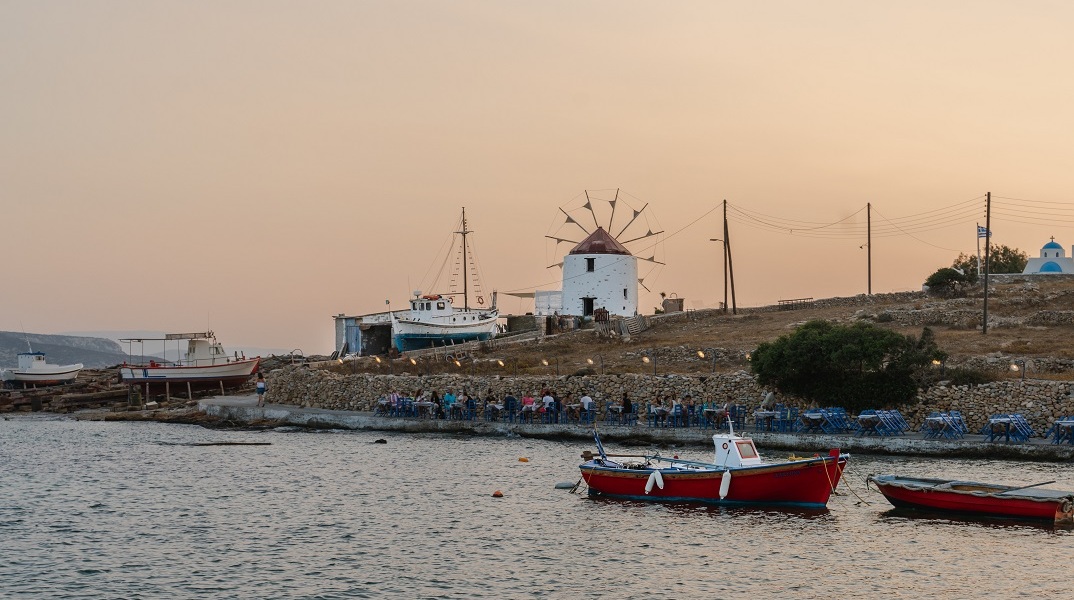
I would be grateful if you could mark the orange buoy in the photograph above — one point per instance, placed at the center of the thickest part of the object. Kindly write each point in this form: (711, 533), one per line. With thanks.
(523, 459)
(497, 494)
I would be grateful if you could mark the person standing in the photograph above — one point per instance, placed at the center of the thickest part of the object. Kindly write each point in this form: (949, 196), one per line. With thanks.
(261, 387)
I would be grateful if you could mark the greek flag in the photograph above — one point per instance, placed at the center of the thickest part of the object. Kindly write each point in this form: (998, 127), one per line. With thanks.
(983, 232)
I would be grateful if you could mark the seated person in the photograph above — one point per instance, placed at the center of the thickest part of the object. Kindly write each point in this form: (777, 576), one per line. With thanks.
(528, 406)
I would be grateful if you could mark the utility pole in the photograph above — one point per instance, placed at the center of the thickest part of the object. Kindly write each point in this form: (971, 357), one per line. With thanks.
(988, 246)
(730, 263)
(869, 242)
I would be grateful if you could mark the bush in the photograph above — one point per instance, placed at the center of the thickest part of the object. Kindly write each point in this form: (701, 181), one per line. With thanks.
(960, 376)
(857, 366)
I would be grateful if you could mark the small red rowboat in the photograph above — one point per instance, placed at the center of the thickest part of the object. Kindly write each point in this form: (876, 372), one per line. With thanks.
(969, 498)
(737, 476)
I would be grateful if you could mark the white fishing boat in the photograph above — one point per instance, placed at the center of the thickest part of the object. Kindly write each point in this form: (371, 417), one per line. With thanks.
(204, 363)
(34, 369)
(434, 320)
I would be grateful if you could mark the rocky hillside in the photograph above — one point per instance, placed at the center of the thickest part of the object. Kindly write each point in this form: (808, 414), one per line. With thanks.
(61, 349)
(1031, 319)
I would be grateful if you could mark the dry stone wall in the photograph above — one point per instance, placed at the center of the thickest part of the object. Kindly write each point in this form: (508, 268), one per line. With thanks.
(1041, 401)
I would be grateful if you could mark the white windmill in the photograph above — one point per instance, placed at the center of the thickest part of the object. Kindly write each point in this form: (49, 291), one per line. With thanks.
(601, 267)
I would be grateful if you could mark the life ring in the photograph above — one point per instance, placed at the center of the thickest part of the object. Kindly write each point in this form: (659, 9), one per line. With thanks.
(481, 300)
(725, 445)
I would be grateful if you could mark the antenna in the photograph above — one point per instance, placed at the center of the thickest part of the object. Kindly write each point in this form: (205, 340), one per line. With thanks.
(26, 336)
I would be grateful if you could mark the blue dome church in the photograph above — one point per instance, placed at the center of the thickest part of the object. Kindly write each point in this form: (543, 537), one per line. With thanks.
(1053, 259)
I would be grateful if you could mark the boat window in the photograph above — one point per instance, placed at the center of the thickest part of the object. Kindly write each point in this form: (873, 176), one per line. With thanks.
(746, 449)
(440, 306)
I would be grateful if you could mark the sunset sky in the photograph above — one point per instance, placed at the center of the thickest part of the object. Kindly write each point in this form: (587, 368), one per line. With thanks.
(261, 166)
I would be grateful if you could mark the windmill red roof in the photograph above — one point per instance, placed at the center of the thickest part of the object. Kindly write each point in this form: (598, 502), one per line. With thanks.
(600, 242)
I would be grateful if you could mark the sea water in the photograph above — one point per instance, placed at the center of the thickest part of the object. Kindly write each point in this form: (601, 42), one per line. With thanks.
(140, 510)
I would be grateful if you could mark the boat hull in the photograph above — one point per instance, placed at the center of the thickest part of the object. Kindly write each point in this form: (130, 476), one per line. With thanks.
(415, 335)
(50, 376)
(803, 483)
(987, 501)
(231, 374)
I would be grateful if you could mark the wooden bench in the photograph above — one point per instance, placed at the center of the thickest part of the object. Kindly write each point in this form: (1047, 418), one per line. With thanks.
(795, 303)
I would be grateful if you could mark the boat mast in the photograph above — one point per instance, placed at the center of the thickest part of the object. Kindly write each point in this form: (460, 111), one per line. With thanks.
(465, 265)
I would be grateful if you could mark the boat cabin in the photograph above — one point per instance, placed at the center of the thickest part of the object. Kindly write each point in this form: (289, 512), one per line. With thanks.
(204, 352)
(28, 360)
(430, 306)
(734, 451)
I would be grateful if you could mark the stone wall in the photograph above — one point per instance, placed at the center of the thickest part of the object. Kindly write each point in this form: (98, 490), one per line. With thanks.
(1041, 401)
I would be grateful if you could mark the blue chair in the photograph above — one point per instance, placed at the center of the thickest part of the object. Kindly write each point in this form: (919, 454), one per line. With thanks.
(510, 410)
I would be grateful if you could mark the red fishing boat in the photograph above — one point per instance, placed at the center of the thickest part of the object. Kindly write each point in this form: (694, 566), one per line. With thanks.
(969, 498)
(737, 476)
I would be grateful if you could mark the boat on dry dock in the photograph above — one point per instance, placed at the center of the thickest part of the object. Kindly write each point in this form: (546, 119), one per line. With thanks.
(33, 369)
(203, 364)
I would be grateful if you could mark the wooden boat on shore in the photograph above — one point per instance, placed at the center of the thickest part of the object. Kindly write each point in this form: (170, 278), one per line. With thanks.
(737, 476)
(204, 364)
(969, 498)
(33, 369)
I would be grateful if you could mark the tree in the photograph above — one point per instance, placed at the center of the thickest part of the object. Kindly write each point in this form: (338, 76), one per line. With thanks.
(1001, 259)
(948, 282)
(857, 366)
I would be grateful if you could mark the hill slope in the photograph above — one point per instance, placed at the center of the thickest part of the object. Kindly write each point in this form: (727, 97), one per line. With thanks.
(61, 349)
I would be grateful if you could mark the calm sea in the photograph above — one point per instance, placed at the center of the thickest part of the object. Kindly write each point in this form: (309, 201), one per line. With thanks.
(135, 510)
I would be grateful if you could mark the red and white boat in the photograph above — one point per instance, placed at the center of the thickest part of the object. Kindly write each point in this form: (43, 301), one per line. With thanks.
(204, 364)
(737, 476)
(969, 498)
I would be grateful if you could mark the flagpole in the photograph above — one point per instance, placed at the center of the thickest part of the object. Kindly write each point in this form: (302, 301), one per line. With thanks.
(978, 251)
(988, 244)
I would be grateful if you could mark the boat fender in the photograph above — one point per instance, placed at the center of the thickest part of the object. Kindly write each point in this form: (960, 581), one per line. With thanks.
(655, 478)
(725, 484)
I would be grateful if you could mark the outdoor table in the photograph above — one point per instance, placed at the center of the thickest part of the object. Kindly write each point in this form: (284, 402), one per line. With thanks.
(765, 417)
(423, 407)
(812, 421)
(936, 425)
(1005, 422)
(715, 415)
(870, 424)
(1064, 431)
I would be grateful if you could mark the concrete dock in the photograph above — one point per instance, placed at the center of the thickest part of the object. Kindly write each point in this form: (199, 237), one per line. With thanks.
(244, 409)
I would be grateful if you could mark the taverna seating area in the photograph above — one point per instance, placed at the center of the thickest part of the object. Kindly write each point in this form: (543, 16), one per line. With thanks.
(1000, 428)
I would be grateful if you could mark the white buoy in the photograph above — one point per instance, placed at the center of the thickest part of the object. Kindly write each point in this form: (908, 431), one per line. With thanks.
(655, 478)
(725, 484)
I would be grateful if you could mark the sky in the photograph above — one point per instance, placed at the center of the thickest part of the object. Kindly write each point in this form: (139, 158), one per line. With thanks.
(257, 167)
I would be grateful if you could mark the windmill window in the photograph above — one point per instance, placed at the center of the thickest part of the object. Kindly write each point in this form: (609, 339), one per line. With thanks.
(624, 294)
(590, 264)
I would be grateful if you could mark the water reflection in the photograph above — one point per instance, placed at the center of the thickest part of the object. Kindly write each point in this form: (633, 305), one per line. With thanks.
(926, 518)
(776, 513)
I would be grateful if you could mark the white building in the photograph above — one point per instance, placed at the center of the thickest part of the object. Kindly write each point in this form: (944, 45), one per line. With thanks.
(600, 273)
(1053, 259)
